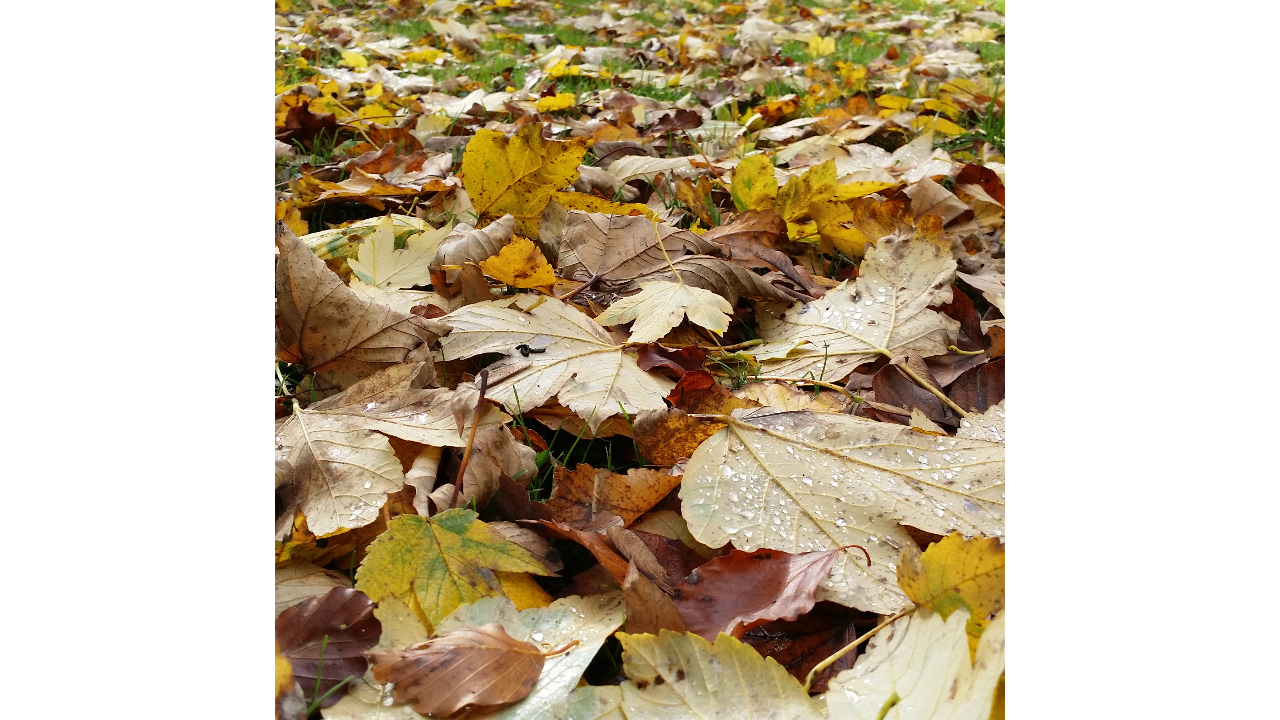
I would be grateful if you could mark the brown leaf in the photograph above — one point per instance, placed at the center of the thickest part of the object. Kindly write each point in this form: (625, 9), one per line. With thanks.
(892, 387)
(961, 308)
(467, 244)
(620, 248)
(639, 554)
(996, 333)
(591, 539)
(984, 177)
(979, 388)
(698, 392)
(323, 325)
(742, 590)
(749, 231)
(580, 495)
(495, 452)
(682, 360)
(721, 277)
(677, 558)
(665, 437)
(531, 541)
(799, 645)
(514, 502)
(340, 624)
(649, 609)
(678, 120)
(482, 667)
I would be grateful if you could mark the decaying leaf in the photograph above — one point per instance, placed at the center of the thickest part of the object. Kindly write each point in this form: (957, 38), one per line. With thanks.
(919, 668)
(585, 492)
(481, 667)
(468, 244)
(586, 621)
(443, 561)
(955, 573)
(495, 452)
(300, 581)
(380, 264)
(575, 360)
(741, 590)
(661, 306)
(326, 637)
(885, 313)
(789, 397)
(326, 327)
(620, 248)
(649, 608)
(674, 676)
(805, 481)
(518, 176)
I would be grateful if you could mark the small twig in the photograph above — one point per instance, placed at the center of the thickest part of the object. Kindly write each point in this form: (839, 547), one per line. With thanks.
(475, 423)
(927, 386)
(955, 349)
(806, 381)
(584, 286)
(808, 680)
(864, 552)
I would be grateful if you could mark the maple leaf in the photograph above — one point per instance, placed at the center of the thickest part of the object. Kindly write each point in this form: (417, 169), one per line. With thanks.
(885, 313)
(661, 306)
(380, 264)
(919, 668)
(576, 360)
(805, 481)
(518, 176)
(520, 264)
(442, 561)
(754, 186)
(581, 494)
(955, 573)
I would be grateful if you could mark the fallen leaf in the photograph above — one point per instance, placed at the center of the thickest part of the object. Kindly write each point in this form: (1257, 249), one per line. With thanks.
(670, 524)
(471, 667)
(620, 248)
(754, 186)
(778, 494)
(495, 452)
(661, 306)
(885, 313)
(520, 264)
(518, 176)
(785, 396)
(580, 495)
(326, 637)
(799, 645)
(649, 609)
(443, 561)
(666, 437)
(300, 581)
(380, 264)
(979, 388)
(323, 325)
(467, 244)
(674, 676)
(577, 362)
(987, 426)
(741, 590)
(955, 573)
(921, 663)
(682, 360)
(725, 278)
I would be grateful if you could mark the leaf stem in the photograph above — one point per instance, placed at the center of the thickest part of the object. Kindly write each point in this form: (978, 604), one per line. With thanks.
(808, 680)
(927, 386)
(955, 349)
(475, 423)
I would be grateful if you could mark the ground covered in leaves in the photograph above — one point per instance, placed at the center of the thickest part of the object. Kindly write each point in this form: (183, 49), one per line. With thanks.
(639, 360)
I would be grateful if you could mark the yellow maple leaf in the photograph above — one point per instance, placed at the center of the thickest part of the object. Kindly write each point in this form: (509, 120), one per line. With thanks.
(754, 186)
(817, 184)
(518, 176)
(559, 101)
(520, 264)
(893, 102)
(289, 213)
(819, 46)
(522, 589)
(955, 573)
(351, 58)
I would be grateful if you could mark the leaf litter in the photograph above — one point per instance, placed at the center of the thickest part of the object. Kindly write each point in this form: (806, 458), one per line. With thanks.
(604, 329)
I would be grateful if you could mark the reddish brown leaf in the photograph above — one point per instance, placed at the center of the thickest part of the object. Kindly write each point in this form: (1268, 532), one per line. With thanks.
(984, 177)
(678, 120)
(483, 667)
(675, 557)
(339, 626)
(579, 496)
(961, 308)
(979, 388)
(592, 539)
(698, 392)
(742, 590)
(996, 333)
(649, 609)
(892, 387)
(798, 645)
(682, 360)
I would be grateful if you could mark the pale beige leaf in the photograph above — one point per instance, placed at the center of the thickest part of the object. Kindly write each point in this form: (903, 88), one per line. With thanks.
(806, 481)
(987, 426)
(930, 198)
(495, 452)
(595, 702)
(621, 247)
(341, 476)
(422, 477)
(323, 325)
(918, 669)
(467, 244)
(680, 676)
(404, 300)
(345, 241)
(884, 313)
(991, 282)
(300, 580)
(786, 396)
(369, 700)
(580, 364)
(379, 264)
(400, 626)
(661, 306)
(588, 620)
(634, 167)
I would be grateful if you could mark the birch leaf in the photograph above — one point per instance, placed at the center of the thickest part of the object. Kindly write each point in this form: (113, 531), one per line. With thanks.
(919, 669)
(661, 306)
(806, 481)
(579, 363)
(674, 676)
(518, 176)
(884, 313)
(380, 264)
(588, 620)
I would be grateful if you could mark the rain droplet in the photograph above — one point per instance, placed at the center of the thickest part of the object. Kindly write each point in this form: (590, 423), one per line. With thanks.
(537, 636)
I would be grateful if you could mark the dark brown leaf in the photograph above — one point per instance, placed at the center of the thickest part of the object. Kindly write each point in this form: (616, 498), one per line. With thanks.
(979, 388)
(327, 637)
(798, 645)
(483, 667)
(892, 387)
(682, 360)
(961, 309)
(984, 177)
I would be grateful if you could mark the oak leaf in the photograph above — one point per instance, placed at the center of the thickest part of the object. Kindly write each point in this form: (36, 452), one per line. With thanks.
(519, 175)
(804, 481)
(955, 573)
(919, 667)
(569, 356)
(443, 561)
(323, 325)
(884, 313)
(482, 667)
(380, 264)
(660, 306)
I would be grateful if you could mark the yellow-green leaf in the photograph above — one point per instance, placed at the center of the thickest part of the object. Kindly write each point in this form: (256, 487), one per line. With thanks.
(833, 220)
(754, 186)
(518, 176)
(351, 58)
(956, 573)
(817, 184)
(444, 561)
(520, 264)
(591, 203)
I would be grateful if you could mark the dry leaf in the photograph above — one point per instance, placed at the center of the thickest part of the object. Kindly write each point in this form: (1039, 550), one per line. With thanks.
(467, 244)
(620, 248)
(518, 176)
(520, 264)
(955, 573)
(661, 306)
(649, 609)
(379, 264)
(300, 581)
(579, 496)
(326, 637)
